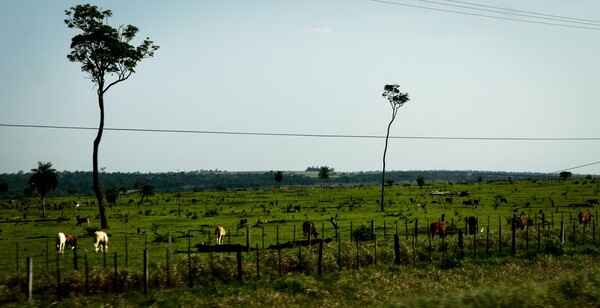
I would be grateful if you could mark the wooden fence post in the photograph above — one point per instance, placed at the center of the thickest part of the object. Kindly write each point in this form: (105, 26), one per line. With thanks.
(396, 249)
(75, 258)
(499, 234)
(257, 264)
(562, 232)
(320, 259)
(146, 272)
(416, 228)
(87, 274)
(30, 278)
(461, 246)
(239, 262)
(248, 239)
(190, 273)
(116, 284)
(514, 235)
(126, 252)
(47, 256)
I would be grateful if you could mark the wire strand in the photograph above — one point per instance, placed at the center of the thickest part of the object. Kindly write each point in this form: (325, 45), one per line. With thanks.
(178, 131)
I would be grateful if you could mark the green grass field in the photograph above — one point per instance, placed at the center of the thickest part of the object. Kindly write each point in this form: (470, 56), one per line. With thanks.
(273, 214)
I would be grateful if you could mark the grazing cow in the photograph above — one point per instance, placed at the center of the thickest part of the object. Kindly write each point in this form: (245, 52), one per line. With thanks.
(419, 207)
(84, 220)
(449, 200)
(101, 241)
(308, 227)
(468, 202)
(522, 222)
(140, 232)
(503, 200)
(584, 218)
(220, 234)
(334, 223)
(592, 202)
(438, 227)
(64, 239)
(472, 222)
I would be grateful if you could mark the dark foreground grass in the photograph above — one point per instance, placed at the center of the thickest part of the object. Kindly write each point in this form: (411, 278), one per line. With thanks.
(547, 281)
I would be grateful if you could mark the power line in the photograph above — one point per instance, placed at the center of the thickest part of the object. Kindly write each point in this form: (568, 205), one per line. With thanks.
(577, 167)
(557, 17)
(487, 16)
(178, 131)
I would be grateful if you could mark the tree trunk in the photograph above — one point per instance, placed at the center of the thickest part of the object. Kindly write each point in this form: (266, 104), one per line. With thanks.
(383, 172)
(95, 175)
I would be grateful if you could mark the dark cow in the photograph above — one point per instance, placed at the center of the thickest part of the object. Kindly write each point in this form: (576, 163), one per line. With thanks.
(584, 218)
(84, 220)
(438, 227)
(522, 222)
(468, 202)
(334, 223)
(472, 222)
(449, 200)
(308, 227)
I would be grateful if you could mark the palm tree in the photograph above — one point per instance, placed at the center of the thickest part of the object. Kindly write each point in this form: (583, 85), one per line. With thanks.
(420, 181)
(44, 180)
(278, 177)
(324, 173)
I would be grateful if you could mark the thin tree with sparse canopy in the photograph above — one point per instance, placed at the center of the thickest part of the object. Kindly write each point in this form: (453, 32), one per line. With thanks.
(103, 51)
(397, 100)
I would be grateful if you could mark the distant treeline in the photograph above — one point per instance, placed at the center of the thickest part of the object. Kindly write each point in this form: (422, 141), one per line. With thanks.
(80, 182)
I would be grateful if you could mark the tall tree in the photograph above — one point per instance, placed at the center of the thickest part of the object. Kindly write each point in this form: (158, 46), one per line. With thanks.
(44, 180)
(103, 51)
(396, 100)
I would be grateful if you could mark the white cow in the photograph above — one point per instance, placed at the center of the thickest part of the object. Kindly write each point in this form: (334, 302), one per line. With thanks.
(100, 241)
(220, 234)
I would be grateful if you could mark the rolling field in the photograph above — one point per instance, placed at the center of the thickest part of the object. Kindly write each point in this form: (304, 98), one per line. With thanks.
(278, 214)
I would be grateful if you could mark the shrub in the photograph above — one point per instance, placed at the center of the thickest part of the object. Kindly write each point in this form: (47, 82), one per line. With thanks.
(363, 234)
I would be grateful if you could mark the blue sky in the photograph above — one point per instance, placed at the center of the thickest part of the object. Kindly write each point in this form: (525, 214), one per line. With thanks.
(309, 68)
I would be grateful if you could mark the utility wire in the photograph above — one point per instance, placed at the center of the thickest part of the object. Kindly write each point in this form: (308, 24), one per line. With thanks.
(178, 131)
(577, 167)
(487, 16)
(558, 17)
(514, 12)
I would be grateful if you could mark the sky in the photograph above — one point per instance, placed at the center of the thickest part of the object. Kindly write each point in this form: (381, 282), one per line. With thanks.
(284, 85)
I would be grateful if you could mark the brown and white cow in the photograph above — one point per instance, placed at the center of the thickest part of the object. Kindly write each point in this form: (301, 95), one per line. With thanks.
(64, 239)
(101, 241)
(584, 218)
(522, 222)
(308, 227)
(220, 233)
(438, 227)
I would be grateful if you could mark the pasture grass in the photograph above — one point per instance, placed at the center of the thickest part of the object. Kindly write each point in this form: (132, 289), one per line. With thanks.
(428, 276)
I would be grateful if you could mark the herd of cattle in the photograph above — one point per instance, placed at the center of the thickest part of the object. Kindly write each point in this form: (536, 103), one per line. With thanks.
(308, 229)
